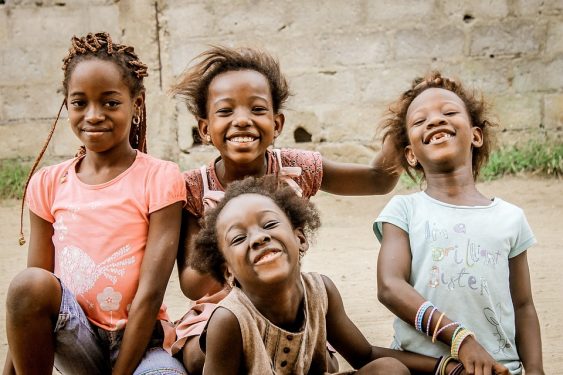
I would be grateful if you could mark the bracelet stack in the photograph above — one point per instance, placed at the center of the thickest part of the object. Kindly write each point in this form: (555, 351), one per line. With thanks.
(458, 336)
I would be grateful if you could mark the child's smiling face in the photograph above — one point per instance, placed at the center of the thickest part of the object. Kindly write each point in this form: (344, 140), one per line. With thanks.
(100, 105)
(440, 132)
(258, 242)
(240, 116)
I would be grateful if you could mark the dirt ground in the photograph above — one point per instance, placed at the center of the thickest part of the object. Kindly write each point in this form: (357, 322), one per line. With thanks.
(346, 250)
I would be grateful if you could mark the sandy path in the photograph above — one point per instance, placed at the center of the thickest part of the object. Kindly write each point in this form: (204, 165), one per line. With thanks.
(346, 250)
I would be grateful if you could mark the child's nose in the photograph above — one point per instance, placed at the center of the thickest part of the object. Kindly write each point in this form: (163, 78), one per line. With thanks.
(259, 238)
(437, 119)
(242, 121)
(94, 114)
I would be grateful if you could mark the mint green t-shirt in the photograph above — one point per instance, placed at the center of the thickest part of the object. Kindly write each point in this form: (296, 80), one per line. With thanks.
(460, 263)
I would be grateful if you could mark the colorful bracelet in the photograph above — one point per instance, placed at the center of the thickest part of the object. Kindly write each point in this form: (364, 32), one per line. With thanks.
(429, 320)
(456, 344)
(436, 369)
(444, 364)
(442, 329)
(420, 315)
(459, 328)
(437, 326)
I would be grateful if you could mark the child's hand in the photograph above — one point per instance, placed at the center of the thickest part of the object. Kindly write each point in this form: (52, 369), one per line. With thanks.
(477, 361)
(391, 156)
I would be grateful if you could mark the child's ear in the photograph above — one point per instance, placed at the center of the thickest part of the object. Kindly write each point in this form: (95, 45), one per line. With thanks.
(477, 140)
(228, 275)
(279, 120)
(203, 127)
(139, 100)
(303, 243)
(411, 158)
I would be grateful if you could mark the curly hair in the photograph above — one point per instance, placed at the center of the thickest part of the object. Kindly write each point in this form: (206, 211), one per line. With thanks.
(394, 124)
(193, 85)
(208, 258)
(99, 46)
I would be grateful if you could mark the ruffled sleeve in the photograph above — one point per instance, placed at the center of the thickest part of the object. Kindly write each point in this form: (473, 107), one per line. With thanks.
(166, 186)
(39, 196)
(311, 164)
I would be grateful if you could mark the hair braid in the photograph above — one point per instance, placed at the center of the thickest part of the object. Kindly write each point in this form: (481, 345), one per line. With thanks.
(100, 46)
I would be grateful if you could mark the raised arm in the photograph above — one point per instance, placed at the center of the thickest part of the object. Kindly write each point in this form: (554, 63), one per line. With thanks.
(395, 292)
(528, 339)
(356, 179)
(223, 344)
(158, 261)
(193, 283)
(347, 339)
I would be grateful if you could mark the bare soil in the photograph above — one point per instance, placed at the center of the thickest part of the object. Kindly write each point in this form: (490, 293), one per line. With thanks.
(346, 250)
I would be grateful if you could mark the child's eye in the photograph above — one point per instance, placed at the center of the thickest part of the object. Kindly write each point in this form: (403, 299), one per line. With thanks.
(271, 224)
(112, 103)
(259, 110)
(224, 111)
(238, 239)
(451, 113)
(77, 103)
(418, 122)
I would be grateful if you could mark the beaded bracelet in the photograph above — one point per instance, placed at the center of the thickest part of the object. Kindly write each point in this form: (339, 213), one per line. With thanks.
(436, 328)
(442, 329)
(456, 344)
(429, 320)
(459, 328)
(420, 315)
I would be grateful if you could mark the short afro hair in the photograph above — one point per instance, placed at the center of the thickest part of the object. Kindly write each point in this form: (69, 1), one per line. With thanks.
(208, 258)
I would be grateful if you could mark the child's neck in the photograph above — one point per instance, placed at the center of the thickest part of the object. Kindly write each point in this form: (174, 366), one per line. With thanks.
(457, 188)
(98, 168)
(228, 171)
(283, 306)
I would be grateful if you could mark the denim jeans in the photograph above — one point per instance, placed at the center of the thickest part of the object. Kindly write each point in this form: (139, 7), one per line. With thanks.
(83, 348)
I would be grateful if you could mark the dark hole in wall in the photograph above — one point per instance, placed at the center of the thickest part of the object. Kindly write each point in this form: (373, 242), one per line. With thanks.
(196, 137)
(301, 135)
(468, 18)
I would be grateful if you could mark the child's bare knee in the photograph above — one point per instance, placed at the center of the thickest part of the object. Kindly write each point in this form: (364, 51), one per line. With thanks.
(386, 365)
(32, 290)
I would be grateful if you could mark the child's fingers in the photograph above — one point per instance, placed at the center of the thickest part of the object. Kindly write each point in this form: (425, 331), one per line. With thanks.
(499, 369)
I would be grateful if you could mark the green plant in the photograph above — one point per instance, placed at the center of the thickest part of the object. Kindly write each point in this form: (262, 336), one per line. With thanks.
(13, 173)
(534, 157)
(540, 158)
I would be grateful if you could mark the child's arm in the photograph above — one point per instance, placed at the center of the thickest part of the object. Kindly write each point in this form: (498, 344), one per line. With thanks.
(193, 283)
(347, 339)
(395, 292)
(223, 344)
(356, 179)
(528, 339)
(158, 261)
(41, 251)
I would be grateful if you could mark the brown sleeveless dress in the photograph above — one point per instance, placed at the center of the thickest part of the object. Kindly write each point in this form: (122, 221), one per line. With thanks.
(272, 350)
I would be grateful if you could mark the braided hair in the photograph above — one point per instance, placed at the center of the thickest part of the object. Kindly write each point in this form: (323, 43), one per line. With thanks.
(394, 124)
(100, 46)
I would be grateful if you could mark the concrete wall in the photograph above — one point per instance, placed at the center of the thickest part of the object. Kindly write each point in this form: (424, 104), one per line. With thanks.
(345, 61)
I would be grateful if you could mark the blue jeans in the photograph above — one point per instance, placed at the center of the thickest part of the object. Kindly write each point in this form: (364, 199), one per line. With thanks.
(83, 348)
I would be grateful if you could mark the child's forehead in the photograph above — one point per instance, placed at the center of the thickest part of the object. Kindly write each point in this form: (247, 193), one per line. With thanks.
(235, 79)
(434, 96)
(248, 205)
(99, 72)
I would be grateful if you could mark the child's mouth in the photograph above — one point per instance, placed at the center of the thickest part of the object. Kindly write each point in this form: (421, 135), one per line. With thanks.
(241, 140)
(267, 257)
(439, 138)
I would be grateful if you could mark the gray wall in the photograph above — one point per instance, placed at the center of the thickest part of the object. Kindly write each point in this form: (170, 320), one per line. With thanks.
(345, 61)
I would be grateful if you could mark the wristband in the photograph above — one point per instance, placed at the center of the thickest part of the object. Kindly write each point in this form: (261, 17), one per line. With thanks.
(456, 344)
(442, 329)
(429, 320)
(420, 315)
(437, 326)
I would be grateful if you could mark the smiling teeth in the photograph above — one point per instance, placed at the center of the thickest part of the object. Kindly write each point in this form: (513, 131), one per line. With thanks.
(267, 257)
(241, 139)
(438, 136)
